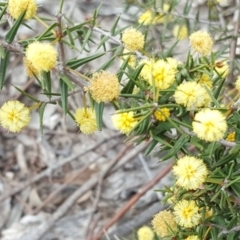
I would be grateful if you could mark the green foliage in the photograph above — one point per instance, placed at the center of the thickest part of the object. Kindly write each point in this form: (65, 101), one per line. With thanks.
(155, 102)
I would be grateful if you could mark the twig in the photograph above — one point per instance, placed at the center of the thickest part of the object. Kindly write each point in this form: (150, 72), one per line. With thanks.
(224, 232)
(48, 171)
(60, 44)
(133, 200)
(187, 17)
(222, 141)
(12, 47)
(116, 40)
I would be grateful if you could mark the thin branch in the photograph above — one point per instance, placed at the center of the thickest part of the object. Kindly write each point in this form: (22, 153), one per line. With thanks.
(116, 40)
(189, 18)
(12, 47)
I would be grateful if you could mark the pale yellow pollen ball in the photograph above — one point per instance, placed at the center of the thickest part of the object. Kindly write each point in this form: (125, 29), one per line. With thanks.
(162, 114)
(14, 116)
(187, 213)
(180, 32)
(222, 68)
(201, 42)
(145, 233)
(124, 122)
(231, 137)
(133, 39)
(104, 86)
(190, 172)
(42, 56)
(31, 71)
(191, 95)
(86, 120)
(146, 18)
(192, 237)
(209, 125)
(164, 223)
(17, 7)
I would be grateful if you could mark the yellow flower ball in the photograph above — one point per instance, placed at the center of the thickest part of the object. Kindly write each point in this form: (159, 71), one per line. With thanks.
(162, 17)
(162, 114)
(205, 80)
(192, 237)
(124, 122)
(206, 212)
(147, 69)
(86, 120)
(209, 125)
(133, 39)
(164, 223)
(31, 71)
(132, 60)
(237, 83)
(222, 68)
(14, 116)
(190, 172)
(42, 56)
(231, 137)
(191, 95)
(145, 233)
(186, 213)
(146, 18)
(173, 63)
(104, 86)
(17, 7)
(201, 42)
(180, 32)
(159, 73)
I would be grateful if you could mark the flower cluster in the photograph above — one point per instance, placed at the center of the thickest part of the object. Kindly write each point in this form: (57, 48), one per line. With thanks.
(201, 42)
(206, 127)
(192, 95)
(187, 213)
(190, 172)
(14, 116)
(222, 68)
(150, 17)
(145, 233)
(160, 73)
(40, 57)
(17, 7)
(162, 114)
(124, 122)
(180, 32)
(133, 39)
(104, 86)
(164, 224)
(86, 120)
